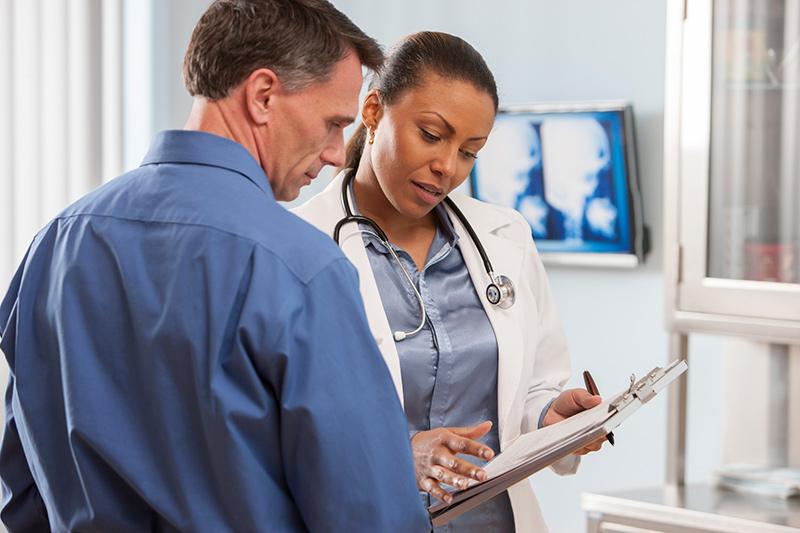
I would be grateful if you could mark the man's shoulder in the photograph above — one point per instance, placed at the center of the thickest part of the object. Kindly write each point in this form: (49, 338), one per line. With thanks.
(204, 199)
(304, 249)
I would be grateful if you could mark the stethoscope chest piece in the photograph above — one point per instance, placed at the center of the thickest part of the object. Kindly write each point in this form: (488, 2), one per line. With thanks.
(501, 292)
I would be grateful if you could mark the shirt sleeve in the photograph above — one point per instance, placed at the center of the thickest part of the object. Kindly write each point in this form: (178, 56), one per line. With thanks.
(22, 505)
(345, 446)
(23, 508)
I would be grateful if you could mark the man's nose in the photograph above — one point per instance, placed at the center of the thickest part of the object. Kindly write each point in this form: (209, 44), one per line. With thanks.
(334, 154)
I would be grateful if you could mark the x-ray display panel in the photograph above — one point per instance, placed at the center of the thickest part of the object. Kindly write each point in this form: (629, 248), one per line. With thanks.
(570, 172)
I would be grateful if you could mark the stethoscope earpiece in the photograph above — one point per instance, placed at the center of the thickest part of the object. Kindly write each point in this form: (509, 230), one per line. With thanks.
(500, 291)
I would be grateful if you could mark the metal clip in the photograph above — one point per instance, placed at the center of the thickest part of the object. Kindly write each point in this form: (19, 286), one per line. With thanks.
(626, 397)
(633, 383)
(643, 390)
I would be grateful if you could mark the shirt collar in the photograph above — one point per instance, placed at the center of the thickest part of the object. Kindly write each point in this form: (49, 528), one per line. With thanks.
(202, 148)
(444, 229)
(446, 225)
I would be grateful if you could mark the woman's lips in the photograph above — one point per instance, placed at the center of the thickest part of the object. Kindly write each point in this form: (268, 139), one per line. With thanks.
(428, 193)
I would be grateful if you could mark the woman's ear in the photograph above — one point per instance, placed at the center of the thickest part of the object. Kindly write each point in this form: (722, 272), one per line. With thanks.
(259, 88)
(372, 110)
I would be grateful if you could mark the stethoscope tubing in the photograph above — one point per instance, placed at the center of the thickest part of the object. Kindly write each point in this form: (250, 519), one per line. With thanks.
(499, 292)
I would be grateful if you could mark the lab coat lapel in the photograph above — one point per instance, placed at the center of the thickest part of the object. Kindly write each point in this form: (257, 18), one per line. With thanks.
(506, 257)
(352, 246)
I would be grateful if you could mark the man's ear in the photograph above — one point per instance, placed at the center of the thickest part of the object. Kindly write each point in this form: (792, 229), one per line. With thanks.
(372, 109)
(259, 88)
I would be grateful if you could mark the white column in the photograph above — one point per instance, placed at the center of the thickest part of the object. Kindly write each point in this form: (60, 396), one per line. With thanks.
(26, 106)
(6, 148)
(84, 97)
(794, 406)
(6, 167)
(788, 71)
(137, 75)
(113, 90)
(55, 104)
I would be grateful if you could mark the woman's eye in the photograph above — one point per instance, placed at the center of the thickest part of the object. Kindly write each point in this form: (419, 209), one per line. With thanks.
(428, 136)
(471, 155)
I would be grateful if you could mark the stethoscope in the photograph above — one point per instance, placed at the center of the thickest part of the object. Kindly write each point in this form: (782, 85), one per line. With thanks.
(499, 292)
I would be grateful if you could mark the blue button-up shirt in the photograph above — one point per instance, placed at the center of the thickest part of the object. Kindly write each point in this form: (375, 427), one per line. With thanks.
(187, 355)
(449, 369)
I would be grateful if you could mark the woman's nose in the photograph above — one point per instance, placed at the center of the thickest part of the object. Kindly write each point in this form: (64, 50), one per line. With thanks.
(445, 163)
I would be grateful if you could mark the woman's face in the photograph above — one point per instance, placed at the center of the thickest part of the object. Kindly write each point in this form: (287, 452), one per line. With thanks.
(427, 140)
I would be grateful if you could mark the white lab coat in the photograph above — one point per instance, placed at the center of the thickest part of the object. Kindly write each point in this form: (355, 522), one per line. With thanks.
(533, 363)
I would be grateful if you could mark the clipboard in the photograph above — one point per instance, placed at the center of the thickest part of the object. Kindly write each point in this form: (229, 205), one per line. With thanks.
(537, 450)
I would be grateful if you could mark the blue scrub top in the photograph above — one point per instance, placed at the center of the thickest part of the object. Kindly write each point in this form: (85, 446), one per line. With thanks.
(187, 355)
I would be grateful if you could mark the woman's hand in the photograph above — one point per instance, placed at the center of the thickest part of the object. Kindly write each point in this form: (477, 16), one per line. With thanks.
(435, 458)
(571, 402)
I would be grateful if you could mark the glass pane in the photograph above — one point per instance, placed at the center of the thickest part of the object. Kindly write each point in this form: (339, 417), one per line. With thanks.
(754, 227)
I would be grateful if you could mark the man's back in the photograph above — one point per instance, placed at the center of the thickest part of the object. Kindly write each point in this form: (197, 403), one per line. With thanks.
(185, 356)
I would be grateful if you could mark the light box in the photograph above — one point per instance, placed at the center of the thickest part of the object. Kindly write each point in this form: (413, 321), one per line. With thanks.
(570, 170)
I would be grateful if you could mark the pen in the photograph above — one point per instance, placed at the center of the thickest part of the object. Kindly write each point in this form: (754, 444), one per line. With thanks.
(591, 386)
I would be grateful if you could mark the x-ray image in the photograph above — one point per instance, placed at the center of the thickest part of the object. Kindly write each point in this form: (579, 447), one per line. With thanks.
(565, 173)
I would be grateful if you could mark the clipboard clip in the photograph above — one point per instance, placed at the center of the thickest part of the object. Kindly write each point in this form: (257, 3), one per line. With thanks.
(641, 390)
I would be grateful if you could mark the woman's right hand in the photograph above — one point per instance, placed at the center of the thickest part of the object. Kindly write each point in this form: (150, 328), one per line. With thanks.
(435, 458)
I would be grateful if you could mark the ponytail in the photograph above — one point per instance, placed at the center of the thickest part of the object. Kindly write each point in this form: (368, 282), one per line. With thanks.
(355, 147)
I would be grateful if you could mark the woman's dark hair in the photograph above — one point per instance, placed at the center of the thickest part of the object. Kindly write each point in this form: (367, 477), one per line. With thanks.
(407, 64)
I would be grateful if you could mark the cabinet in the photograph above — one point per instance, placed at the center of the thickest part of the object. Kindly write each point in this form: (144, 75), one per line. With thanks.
(731, 229)
(732, 168)
(731, 180)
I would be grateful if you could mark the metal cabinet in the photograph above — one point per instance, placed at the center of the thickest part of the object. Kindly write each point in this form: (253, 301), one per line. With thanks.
(731, 230)
(732, 168)
(731, 180)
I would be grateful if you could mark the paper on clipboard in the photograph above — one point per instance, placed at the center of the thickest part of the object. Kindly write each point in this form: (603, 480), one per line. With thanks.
(538, 449)
(528, 445)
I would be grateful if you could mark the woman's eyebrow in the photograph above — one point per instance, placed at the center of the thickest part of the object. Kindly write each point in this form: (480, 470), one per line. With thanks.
(450, 127)
(447, 125)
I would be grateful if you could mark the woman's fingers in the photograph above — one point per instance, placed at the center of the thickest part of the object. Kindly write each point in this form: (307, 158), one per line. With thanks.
(458, 444)
(448, 477)
(593, 447)
(432, 487)
(460, 466)
(473, 432)
(436, 462)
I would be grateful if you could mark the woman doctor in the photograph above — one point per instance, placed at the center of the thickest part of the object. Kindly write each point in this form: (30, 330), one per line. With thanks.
(464, 368)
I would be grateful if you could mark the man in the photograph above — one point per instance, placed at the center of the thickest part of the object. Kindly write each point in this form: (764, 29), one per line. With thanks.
(185, 354)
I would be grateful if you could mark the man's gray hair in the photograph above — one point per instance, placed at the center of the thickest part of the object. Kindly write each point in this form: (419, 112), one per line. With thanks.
(300, 40)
